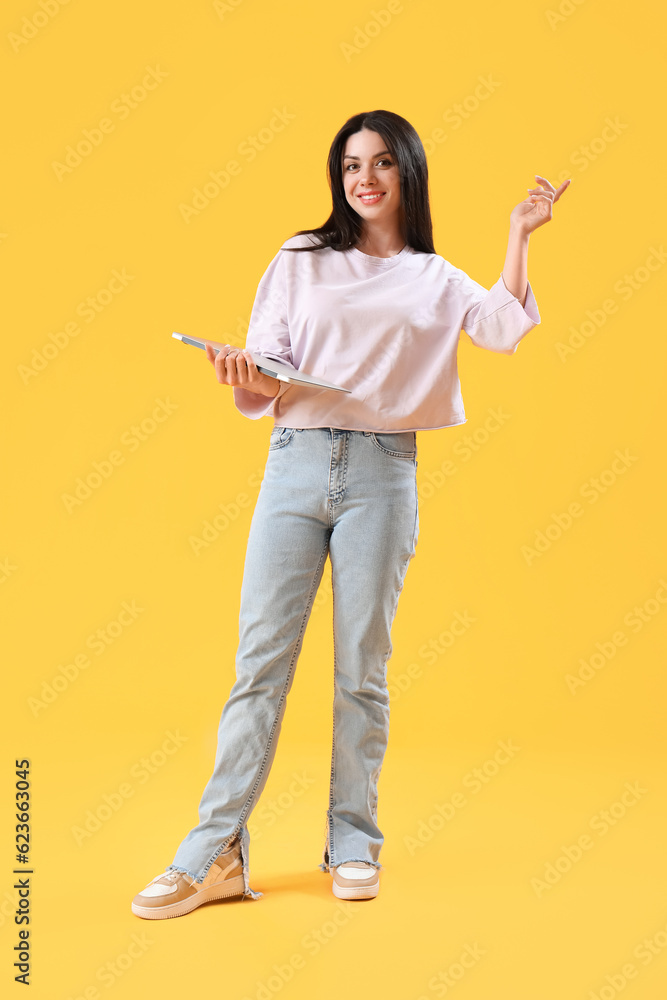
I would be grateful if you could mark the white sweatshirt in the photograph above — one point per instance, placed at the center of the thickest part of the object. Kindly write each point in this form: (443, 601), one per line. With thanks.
(386, 328)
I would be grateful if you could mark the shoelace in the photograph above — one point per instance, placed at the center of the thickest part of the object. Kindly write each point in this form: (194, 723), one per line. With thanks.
(173, 875)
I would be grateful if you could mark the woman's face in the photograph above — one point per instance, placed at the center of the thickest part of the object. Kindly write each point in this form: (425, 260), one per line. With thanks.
(370, 176)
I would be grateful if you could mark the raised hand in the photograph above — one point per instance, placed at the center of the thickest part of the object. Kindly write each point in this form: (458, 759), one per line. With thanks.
(537, 208)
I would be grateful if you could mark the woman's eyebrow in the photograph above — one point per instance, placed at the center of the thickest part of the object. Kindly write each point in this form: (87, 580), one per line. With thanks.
(382, 152)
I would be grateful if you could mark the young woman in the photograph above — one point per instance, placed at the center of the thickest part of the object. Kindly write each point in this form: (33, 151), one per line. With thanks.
(363, 302)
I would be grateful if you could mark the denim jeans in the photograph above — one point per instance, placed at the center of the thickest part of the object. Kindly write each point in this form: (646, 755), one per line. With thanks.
(351, 495)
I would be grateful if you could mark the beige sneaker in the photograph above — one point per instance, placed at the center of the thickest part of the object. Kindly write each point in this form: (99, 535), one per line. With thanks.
(355, 880)
(172, 894)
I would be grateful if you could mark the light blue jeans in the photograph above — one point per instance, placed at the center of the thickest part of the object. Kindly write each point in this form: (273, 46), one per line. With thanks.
(351, 495)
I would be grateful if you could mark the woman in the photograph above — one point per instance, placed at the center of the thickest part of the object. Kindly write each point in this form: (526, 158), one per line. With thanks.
(363, 302)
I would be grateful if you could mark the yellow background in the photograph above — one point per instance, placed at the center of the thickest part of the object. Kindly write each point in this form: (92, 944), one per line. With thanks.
(469, 882)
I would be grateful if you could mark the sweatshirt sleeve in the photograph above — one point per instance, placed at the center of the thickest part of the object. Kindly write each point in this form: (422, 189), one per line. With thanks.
(495, 319)
(268, 334)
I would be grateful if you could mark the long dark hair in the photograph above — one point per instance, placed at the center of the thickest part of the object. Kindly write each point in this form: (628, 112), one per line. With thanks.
(343, 228)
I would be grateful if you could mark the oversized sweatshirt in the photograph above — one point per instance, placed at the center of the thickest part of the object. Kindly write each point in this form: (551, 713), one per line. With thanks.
(385, 328)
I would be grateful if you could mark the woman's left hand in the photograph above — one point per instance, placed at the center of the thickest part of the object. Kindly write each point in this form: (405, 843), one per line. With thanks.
(536, 209)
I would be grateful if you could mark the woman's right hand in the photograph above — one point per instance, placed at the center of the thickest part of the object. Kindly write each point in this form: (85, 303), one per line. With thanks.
(235, 367)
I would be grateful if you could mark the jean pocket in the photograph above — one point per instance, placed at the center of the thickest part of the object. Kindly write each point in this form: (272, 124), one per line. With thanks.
(280, 436)
(399, 445)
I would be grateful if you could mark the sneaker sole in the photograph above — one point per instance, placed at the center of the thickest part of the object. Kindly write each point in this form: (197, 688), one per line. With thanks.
(232, 887)
(356, 891)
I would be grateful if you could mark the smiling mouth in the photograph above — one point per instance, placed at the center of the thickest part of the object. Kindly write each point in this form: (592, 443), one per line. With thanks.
(371, 199)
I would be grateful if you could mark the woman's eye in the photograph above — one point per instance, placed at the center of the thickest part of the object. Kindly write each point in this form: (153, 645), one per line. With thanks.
(388, 162)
